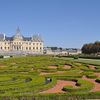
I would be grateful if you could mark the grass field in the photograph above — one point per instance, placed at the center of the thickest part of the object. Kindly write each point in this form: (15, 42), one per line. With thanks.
(26, 78)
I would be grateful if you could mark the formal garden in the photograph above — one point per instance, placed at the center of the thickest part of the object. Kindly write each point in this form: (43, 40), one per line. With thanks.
(49, 78)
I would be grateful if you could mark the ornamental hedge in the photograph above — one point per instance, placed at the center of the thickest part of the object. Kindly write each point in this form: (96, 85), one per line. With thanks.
(82, 86)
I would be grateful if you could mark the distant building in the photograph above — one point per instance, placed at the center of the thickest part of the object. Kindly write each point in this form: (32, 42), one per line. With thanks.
(19, 44)
(49, 51)
(74, 51)
(64, 52)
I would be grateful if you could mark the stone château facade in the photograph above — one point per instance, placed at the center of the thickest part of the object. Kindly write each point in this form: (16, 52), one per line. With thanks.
(19, 44)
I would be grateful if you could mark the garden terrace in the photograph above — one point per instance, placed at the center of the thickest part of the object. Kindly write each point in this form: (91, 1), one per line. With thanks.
(25, 77)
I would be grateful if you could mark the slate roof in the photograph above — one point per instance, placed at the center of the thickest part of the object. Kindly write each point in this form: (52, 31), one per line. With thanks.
(8, 38)
(27, 38)
(34, 38)
(1, 37)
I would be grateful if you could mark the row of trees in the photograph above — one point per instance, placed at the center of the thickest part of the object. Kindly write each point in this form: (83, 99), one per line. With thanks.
(55, 48)
(91, 48)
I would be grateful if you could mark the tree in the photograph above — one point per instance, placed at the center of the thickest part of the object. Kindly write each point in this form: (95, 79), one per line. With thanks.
(91, 48)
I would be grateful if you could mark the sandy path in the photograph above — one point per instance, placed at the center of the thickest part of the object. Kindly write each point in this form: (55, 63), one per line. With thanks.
(52, 67)
(59, 86)
(78, 63)
(92, 66)
(97, 74)
(55, 67)
(67, 67)
(97, 85)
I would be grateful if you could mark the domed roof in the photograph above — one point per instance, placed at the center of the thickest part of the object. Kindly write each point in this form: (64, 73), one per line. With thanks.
(18, 35)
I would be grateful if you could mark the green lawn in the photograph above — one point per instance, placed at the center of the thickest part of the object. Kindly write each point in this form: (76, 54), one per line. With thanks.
(88, 61)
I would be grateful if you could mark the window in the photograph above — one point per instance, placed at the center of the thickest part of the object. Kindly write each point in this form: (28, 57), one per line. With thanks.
(5, 47)
(29, 48)
(1, 48)
(37, 48)
(26, 48)
(33, 48)
(14, 47)
(8, 47)
(33, 43)
(19, 47)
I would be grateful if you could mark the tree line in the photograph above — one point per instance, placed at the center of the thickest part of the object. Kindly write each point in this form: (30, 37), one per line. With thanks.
(91, 48)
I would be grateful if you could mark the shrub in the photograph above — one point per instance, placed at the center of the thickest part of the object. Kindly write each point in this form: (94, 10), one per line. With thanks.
(28, 79)
(1, 56)
(68, 88)
(76, 57)
(83, 86)
(11, 56)
(14, 78)
(98, 80)
(91, 76)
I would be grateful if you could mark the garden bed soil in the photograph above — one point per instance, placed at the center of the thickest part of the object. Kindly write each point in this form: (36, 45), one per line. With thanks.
(97, 74)
(52, 67)
(59, 86)
(67, 67)
(92, 66)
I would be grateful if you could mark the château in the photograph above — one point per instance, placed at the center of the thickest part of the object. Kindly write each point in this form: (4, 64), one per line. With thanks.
(18, 44)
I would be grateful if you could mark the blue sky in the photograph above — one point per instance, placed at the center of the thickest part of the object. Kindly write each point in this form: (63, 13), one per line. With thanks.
(62, 23)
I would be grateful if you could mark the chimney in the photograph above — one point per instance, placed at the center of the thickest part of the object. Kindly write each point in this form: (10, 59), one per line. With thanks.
(4, 36)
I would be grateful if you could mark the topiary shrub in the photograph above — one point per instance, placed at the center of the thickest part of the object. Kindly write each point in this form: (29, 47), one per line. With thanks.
(14, 78)
(1, 56)
(82, 86)
(75, 57)
(91, 76)
(28, 79)
(98, 80)
(68, 88)
(11, 56)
